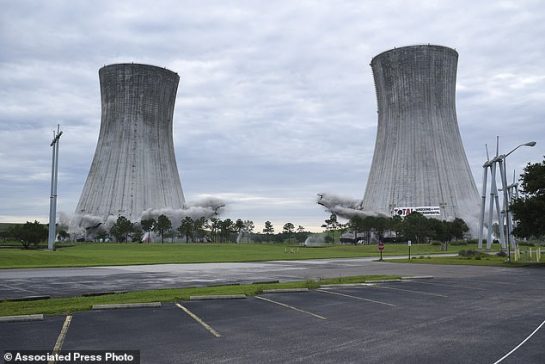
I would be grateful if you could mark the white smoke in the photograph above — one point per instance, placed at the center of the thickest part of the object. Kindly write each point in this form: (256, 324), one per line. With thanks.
(315, 240)
(206, 208)
(78, 225)
(345, 207)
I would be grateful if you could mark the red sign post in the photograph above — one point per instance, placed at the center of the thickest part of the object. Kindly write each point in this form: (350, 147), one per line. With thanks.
(380, 249)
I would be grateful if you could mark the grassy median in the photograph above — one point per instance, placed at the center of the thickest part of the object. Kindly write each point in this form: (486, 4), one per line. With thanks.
(95, 254)
(489, 260)
(59, 306)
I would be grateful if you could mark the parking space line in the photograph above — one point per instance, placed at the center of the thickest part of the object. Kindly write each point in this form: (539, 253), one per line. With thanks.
(198, 319)
(62, 336)
(450, 285)
(291, 307)
(519, 345)
(355, 297)
(412, 291)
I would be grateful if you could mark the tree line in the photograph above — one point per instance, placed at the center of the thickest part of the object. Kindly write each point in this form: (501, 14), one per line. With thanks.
(208, 230)
(415, 227)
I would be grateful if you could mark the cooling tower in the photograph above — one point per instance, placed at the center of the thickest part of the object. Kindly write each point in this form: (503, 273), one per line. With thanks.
(419, 163)
(134, 167)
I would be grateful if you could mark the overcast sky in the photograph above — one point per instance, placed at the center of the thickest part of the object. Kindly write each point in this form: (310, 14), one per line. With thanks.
(276, 100)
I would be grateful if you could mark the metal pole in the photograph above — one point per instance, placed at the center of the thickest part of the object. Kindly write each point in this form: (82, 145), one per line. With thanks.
(501, 162)
(51, 235)
(483, 203)
(53, 199)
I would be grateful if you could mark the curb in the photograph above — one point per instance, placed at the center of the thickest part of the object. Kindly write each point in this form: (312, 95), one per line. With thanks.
(217, 297)
(112, 306)
(19, 318)
(385, 281)
(417, 277)
(28, 298)
(223, 284)
(285, 290)
(346, 285)
(266, 282)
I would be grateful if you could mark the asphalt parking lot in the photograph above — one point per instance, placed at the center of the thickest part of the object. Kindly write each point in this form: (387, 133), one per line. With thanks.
(447, 320)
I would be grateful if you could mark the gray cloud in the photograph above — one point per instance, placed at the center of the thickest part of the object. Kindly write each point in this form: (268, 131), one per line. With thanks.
(276, 100)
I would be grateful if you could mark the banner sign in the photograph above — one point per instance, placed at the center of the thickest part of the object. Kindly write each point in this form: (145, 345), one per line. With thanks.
(424, 210)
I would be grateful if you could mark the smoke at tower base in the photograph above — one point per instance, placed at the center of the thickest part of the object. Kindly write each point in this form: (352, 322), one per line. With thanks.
(345, 207)
(81, 225)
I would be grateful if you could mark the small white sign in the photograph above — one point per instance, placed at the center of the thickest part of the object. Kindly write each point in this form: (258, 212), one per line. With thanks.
(409, 243)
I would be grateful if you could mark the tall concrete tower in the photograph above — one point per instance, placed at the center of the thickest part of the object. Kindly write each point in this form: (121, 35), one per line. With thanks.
(419, 161)
(134, 167)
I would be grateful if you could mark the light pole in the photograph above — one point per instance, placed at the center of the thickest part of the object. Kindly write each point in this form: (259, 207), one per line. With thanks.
(501, 160)
(53, 198)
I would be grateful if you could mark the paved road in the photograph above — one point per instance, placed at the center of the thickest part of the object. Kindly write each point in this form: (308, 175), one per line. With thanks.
(478, 318)
(58, 282)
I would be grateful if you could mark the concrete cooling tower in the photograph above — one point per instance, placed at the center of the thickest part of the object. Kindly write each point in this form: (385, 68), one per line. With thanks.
(419, 163)
(134, 167)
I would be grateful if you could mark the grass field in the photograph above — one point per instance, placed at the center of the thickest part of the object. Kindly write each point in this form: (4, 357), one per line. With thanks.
(68, 305)
(488, 260)
(95, 254)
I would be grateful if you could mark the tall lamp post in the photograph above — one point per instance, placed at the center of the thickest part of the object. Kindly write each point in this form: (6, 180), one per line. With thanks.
(53, 199)
(501, 160)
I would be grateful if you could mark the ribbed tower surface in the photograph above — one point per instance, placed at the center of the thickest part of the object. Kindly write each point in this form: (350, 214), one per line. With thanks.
(419, 159)
(134, 167)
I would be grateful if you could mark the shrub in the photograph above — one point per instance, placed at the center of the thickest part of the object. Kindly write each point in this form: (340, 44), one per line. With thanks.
(501, 254)
(436, 243)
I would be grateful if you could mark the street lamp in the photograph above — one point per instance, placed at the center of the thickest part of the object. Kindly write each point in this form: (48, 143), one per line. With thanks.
(506, 198)
(53, 199)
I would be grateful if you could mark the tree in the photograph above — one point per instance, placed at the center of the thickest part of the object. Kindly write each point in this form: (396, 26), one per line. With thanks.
(268, 229)
(356, 225)
(198, 228)
(331, 225)
(300, 229)
(457, 229)
(529, 209)
(226, 229)
(214, 225)
(249, 226)
(416, 227)
(121, 229)
(31, 233)
(239, 225)
(147, 225)
(288, 229)
(162, 225)
(136, 235)
(186, 228)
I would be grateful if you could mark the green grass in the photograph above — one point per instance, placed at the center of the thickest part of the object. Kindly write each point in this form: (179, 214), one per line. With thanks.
(58, 306)
(95, 254)
(486, 261)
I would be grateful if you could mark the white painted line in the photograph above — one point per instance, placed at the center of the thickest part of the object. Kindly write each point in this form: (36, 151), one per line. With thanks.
(522, 343)
(38, 317)
(196, 318)
(62, 336)
(217, 297)
(112, 306)
(341, 285)
(418, 292)
(291, 307)
(285, 290)
(355, 297)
